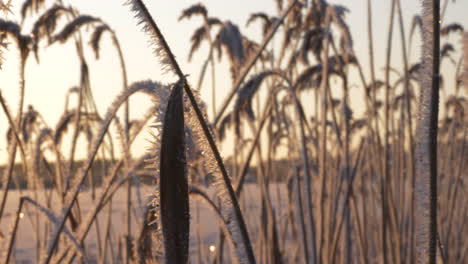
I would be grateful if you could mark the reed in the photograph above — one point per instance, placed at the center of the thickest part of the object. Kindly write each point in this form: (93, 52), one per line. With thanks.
(308, 179)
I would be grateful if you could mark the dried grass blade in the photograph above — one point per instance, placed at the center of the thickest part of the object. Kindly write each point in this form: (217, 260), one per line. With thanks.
(174, 196)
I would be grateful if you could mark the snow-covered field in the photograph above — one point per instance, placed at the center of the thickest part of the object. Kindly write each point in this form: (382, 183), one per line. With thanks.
(204, 225)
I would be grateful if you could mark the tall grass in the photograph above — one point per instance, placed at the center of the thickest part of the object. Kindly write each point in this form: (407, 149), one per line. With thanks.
(310, 180)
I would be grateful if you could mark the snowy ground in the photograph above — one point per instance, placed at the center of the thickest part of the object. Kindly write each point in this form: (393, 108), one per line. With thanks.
(203, 221)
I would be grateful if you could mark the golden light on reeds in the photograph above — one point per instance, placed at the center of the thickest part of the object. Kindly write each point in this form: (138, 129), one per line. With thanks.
(287, 156)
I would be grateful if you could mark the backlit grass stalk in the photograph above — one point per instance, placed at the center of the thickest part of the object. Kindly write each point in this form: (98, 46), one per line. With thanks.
(168, 60)
(386, 181)
(173, 184)
(426, 131)
(323, 252)
(407, 110)
(73, 193)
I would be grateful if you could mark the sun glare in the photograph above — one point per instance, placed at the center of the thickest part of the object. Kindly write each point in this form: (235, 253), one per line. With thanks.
(212, 248)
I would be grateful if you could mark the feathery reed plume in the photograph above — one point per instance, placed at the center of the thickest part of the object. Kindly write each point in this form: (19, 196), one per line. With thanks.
(245, 97)
(45, 26)
(173, 183)
(426, 145)
(417, 23)
(14, 31)
(230, 38)
(266, 21)
(251, 60)
(201, 34)
(62, 125)
(30, 6)
(446, 51)
(224, 125)
(337, 13)
(96, 38)
(310, 77)
(71, 28)
(313, 40)
(451, 28)
(3, 45)
(196, 9)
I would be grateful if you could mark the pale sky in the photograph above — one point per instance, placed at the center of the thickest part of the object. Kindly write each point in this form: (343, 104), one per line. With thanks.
(47, 83)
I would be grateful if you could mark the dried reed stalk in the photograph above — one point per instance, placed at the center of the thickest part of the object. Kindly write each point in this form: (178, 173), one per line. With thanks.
(426, 145)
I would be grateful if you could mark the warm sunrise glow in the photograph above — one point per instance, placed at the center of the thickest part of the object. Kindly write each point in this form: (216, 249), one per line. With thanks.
(245, 131)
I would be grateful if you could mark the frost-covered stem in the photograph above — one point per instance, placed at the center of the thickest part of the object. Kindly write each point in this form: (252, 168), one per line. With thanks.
(212, 62)
(227, 181)
(245, 70)
(213, 85)
(123, 68)
(128, 220)
(346, 207)
(347, 165)
(22, 87)
(16, 142)
(197, 192)
(209, 60)
(73, 193)
(76, 132)
(308, 177)
(204, 67)
(386, 184)
(452, 198)
(98, 204)
(13, 234)
(267, 110)
(407, 106)
(108, 194)
(372, 70)
(306, 170)
(14, 128)
(426, 145)
(246, 165)
(238, 218)
(324, 89)
(374, 110)
(8, 175)
(103, 257)
(79, 49)
(266, 208)
(301, 216)
(108, 191)
(127, 132)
